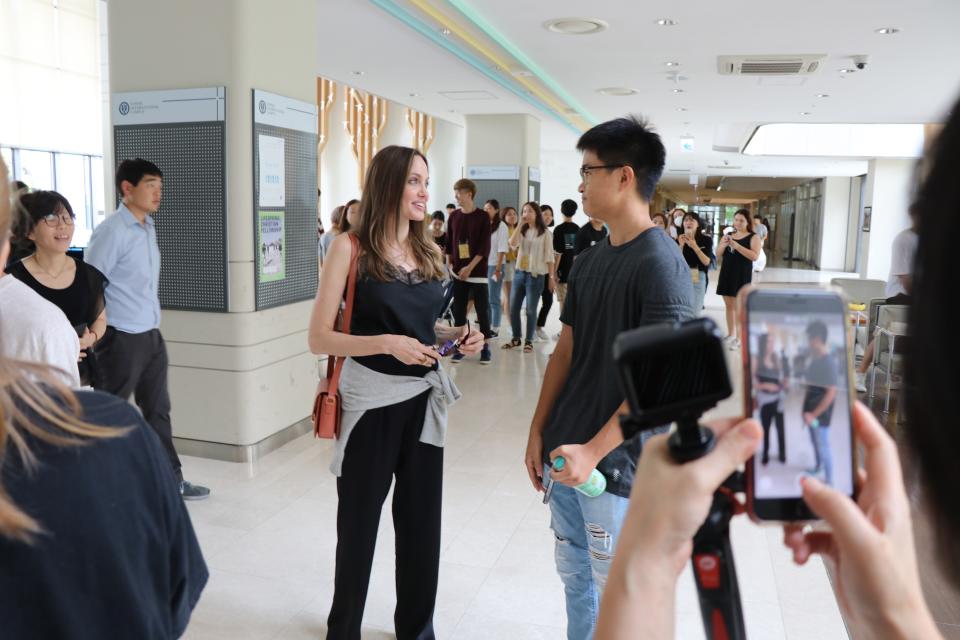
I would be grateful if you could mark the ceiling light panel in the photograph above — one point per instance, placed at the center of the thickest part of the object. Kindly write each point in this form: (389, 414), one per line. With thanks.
(576, 26)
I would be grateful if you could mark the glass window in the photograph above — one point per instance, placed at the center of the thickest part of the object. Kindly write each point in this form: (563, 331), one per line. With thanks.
(7, 154)
(36, 169)
(98, 199)
(72, 183)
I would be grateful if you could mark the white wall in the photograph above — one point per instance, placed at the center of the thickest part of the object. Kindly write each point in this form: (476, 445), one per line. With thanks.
(888, 192)
(560, 180)
(836, 214)
(339, 176)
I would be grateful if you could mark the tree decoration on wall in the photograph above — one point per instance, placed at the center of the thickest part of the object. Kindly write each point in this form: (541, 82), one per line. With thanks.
(326, 94)
(423, 129)
(365, 119)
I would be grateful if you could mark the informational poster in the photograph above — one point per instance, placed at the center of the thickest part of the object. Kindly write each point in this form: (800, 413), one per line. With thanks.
(272, 256)
(272, 172)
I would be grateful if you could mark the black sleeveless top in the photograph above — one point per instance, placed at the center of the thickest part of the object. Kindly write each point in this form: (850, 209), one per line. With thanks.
(735, 270)
(82, 302)
(406, 304)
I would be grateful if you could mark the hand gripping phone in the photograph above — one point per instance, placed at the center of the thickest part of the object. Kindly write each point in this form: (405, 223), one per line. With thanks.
(797, 372)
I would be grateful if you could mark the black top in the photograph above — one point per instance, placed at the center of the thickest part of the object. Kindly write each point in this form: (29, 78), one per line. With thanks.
(441, 241)
(82, 302)
(119, 558)
(588, 237)
(691, 256)
(565, 244)
(736, 270)
(611, 291)
(406, 304)
(821, 375)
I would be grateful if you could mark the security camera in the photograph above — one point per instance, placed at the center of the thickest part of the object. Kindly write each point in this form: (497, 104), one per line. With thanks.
(860, 62)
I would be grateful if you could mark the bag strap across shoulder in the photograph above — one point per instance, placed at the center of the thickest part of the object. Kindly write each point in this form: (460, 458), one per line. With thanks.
(335, 363)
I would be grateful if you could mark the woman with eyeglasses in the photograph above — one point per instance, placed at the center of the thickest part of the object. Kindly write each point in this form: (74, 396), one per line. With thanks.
(46, 232)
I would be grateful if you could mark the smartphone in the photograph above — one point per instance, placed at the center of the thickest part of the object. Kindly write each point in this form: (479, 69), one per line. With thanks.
(450, 346)
(797, 372)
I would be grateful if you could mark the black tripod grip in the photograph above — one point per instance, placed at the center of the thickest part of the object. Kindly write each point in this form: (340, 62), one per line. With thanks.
(716, 574)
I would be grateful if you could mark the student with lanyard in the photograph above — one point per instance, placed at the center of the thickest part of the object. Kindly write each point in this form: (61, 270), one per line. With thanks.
(468, 249)
(394, 393)
(698, 252)
(75, 287)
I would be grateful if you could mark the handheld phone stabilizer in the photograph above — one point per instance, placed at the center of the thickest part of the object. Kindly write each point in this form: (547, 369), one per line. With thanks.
(674, 373)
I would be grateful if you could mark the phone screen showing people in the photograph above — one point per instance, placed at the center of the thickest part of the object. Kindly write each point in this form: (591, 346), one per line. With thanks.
(799, 387)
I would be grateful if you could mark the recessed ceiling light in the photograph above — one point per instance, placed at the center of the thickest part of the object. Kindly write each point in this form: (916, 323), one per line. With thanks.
(358, 73)
(887, 31)
(805, 113)
(445, 32)
(848, 70)
(617, 91)
(576, 26)
(678, 90)
(682, 109)
(823, 95)
(414, 95)
(666, 22)
(672, 64)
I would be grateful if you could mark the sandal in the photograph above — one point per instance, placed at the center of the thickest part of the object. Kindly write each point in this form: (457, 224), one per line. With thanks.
(515, 342)
(528, 347)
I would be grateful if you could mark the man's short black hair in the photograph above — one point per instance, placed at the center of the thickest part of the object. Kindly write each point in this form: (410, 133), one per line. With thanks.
(132, 171)
(817, 329)
(438, 215)
(568, 208)
(450, 205)
(628, 142)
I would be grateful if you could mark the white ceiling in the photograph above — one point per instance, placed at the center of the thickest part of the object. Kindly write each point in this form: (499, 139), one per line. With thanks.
(912, 76)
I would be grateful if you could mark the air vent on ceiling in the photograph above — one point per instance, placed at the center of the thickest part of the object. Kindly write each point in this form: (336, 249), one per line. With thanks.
(772, 65)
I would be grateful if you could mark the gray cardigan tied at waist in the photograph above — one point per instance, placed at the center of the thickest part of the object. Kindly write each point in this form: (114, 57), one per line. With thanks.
(362, 389)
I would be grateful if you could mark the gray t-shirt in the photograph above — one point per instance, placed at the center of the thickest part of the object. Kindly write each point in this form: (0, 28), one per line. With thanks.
(612, 290)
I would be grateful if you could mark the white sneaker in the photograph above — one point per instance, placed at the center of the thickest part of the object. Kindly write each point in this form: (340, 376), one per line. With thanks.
(542, 334)
(861, 382)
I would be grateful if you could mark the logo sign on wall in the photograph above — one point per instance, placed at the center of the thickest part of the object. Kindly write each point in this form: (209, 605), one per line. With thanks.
(493, 172)
(169, 107)
(124, 108)
(262, 106)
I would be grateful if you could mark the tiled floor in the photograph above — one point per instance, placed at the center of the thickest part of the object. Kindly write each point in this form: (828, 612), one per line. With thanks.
(268, 535)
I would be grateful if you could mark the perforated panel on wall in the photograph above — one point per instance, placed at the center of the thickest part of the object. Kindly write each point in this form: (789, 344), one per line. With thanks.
(300, 218)
(192, 220)
(504, 191)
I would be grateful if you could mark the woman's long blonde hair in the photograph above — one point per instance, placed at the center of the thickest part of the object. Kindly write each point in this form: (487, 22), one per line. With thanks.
(26, 387)
(380, 207)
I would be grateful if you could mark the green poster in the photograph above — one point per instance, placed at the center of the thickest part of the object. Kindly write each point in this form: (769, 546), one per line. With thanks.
(271, 254)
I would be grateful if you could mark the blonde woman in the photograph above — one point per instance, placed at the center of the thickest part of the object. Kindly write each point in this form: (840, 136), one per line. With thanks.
(91, 524)
(394, 392)
(535, 261)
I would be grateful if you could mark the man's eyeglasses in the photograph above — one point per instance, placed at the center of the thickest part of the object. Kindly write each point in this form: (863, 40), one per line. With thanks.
(587, 168)
(53, 220)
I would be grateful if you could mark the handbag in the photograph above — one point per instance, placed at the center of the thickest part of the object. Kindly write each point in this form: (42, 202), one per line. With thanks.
(326, 406)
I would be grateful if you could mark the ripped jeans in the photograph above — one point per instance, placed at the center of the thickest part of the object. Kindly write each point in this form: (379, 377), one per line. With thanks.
(586, 531)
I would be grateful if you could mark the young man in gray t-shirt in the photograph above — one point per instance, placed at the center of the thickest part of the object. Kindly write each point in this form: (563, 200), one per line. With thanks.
(636, 276)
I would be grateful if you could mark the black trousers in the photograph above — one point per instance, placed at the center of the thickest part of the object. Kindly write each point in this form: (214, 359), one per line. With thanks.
(137, 363)
(386, 443)
(546, 300)
(768, 414)
(462, 292)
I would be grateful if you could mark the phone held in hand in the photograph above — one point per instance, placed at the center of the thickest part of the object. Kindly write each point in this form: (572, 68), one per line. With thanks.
(797, 372)
(450, 346)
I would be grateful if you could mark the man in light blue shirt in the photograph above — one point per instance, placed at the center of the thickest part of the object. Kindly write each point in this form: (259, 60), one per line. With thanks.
(132, 353)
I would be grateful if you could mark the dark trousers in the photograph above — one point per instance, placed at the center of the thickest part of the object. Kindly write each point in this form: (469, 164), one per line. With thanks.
(546, 299)
(137, 363)
(386, 443)
(769, 414)
(462, 292)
